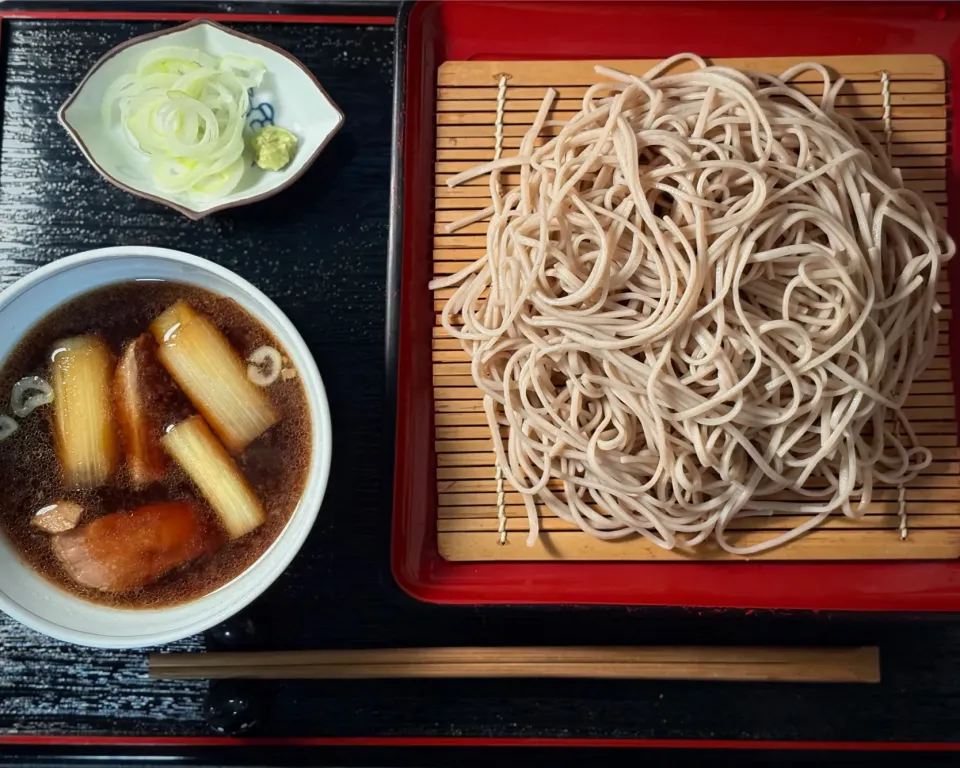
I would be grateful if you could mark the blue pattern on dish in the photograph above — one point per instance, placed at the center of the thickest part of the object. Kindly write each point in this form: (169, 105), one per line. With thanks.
(266, 114)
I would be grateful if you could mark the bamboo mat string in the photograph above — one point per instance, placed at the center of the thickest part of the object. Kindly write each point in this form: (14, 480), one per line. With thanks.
(501, 507)
(887, 121)
(888, 140)
(498, 122)
(902, 498)
(497, 152)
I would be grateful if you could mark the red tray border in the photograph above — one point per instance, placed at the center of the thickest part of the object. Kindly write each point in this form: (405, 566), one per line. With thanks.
(236, 18)
(467, 741)
(444, 30)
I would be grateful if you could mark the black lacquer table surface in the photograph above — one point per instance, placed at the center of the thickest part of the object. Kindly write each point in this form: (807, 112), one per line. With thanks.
(320, 251)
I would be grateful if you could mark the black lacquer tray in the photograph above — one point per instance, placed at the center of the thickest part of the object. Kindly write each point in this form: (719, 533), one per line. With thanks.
(321, 251)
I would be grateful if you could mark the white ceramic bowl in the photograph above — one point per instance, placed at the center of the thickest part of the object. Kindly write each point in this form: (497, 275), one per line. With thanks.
(34, 601)
(289, 96)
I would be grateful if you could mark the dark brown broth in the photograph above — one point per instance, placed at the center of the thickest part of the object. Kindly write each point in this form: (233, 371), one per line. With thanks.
(276, 464)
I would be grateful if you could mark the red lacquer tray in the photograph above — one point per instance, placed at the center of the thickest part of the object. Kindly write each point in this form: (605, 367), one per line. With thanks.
(449, 30)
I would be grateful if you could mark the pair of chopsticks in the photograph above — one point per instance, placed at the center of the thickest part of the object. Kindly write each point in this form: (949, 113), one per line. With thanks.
(812, 665)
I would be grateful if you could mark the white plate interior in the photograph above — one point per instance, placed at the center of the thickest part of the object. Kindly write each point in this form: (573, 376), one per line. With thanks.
(288, 95)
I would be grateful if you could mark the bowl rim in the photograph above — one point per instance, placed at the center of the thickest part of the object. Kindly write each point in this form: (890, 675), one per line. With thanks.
(189, 212)
(321, 422)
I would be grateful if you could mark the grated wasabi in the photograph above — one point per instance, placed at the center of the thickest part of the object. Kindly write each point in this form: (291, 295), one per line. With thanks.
(273, 147)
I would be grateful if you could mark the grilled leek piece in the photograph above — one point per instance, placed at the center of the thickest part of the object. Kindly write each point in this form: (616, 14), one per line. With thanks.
(85, 433)
(196, 449)
(212, 375)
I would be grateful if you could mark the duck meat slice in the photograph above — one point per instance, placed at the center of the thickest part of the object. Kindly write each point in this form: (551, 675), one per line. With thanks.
(127, 550)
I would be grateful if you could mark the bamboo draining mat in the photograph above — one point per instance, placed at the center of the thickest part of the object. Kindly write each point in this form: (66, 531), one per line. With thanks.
(466, 475)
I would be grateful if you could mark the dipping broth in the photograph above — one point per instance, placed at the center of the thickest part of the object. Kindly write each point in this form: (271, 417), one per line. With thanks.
(35, 467)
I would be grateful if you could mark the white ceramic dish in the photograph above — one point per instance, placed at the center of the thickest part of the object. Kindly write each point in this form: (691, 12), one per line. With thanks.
(37, 603)
(289, 96)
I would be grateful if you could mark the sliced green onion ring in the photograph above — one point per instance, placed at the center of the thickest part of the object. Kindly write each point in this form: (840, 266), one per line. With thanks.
(28, 394)
(7, 426)
(187, 111)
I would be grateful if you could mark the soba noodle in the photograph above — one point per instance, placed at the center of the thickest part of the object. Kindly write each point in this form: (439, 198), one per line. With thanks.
(707, 289)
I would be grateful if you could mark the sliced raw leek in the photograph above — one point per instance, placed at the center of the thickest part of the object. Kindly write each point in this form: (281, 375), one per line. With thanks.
(196, 449)
(83, 426)
(187, 111)
(264, 366)
(210, 372)
(7, 426)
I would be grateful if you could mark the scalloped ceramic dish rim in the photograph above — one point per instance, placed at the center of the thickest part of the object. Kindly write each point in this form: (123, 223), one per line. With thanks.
(280, 554)
(188, 212)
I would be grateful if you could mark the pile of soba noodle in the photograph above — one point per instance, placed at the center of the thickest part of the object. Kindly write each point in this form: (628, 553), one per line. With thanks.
(708, 288)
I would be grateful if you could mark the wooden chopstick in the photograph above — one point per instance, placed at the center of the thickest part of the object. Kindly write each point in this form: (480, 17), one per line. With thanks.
(826, 665)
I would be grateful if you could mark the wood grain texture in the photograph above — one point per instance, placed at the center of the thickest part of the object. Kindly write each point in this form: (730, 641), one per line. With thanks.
(318, 250)
(339, 591)
(468, 525)
(811, 665)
